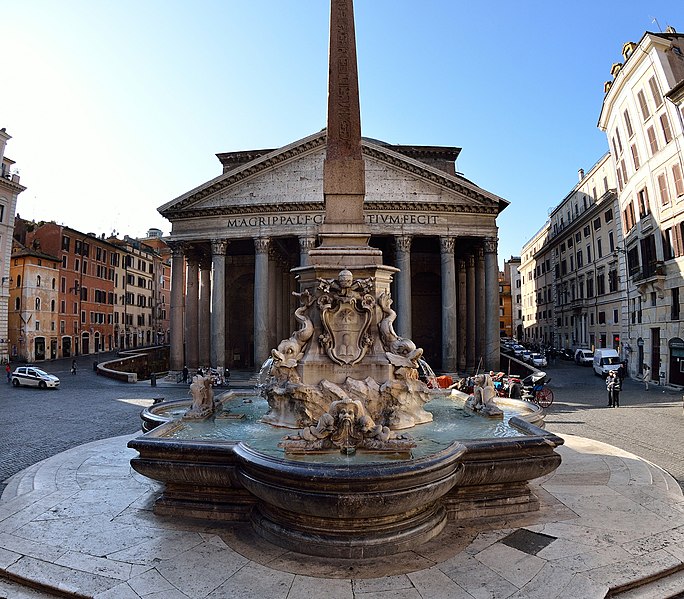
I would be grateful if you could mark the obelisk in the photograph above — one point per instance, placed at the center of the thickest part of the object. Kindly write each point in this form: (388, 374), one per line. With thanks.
(344, 230)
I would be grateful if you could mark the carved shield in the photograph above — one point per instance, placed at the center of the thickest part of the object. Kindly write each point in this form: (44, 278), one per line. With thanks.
(346, 325)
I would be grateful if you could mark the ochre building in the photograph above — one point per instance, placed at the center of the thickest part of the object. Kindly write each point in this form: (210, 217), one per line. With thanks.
(236, 238)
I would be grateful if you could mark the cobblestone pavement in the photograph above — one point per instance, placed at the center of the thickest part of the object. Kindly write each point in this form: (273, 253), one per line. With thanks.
(649, 424)
(37, 424)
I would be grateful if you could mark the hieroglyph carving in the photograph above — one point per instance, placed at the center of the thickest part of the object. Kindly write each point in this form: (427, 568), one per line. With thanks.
(346, 306)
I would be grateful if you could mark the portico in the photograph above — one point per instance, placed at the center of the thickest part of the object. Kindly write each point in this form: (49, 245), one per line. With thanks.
(236, 239)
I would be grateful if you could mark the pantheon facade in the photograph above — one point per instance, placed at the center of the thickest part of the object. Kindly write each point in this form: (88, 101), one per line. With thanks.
(236, 238)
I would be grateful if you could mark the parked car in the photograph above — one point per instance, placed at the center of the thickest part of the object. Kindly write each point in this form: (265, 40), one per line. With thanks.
(538, 360)
(584, 357)
(30, 376)
(526, 356)
(518, 350)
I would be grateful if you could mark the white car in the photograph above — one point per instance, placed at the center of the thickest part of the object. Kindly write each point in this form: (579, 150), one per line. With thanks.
(538, 360)
(526, 355)
(30, 376)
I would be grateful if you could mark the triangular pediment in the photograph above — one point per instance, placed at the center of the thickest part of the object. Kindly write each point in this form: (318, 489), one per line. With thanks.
(291, 178)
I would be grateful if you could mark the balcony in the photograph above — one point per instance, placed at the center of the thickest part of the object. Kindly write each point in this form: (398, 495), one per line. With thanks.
(651, 278)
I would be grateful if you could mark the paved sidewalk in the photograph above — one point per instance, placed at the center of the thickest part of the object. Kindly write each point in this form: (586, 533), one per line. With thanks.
(81, 523)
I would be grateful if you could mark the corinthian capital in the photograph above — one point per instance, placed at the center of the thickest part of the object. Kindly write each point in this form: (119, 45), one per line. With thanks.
(447, 244)
(219, 247)
(403, 243)
(261, 245)
(490, 245)
(306, 244)
(178, 248)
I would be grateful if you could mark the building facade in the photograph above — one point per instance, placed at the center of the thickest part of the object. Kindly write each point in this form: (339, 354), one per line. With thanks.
(34, 297)
(10, 189)
(236, 239)
(588, 285)
(644, 126)
(512, 273)
(536, 286)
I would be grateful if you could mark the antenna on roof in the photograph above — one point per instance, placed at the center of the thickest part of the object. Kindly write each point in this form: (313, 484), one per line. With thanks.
(658, 24)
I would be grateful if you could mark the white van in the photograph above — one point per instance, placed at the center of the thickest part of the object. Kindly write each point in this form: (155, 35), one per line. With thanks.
(606, 360)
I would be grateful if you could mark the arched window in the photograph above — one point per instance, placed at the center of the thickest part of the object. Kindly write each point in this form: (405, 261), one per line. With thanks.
(54, 282)
(52, 304)
(37, 304)
(38, 281)
(18, 280)
(17, 303)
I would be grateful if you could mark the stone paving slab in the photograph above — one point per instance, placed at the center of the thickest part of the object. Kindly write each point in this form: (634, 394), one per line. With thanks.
(81, 523)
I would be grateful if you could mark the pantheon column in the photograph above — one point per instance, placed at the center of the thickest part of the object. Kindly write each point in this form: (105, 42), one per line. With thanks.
(192, 313)
(449, 306)
(403, 277)
(471, 355)
(218, 303)
(177, 359)
(261, 346)
(492, 357)
(480, 304)
(273, 281)
(462, 315)
(205, 311)
(306, 244)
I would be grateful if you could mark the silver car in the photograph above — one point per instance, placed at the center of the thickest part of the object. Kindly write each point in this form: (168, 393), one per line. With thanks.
(30, 376)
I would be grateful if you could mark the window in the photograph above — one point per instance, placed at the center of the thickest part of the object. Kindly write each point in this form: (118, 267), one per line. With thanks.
(608, 215)
(619, 179)
(52, 305)
(37, 280)
(17, 303)
(599, 248)
(655, 92)
(588, 254)
(602, 318)
(615, 316)
(62, 306)
(611, 241)
(578, 237)
(629, 219)
(600, 284)
(570, 242)
(642, 198)
(628, 124)
(662, 188)
(597, 224)
(579, 259)
(586, 231)
(667, 132)
(652, 140)
(77, 265)
(643, 105)
(668, 246)
(623, 167)
(674, 313)
(64, 261)
(635, 157)
(37, 304)
(612, 280)
(66, 243)
(83, 315)
(677, 176)
(619, 141)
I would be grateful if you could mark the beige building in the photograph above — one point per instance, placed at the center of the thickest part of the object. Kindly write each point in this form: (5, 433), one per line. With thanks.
(646, 137)
(588, 285)
(512, 273)
(34, 310)
(236, 238)
(536, 289)
(9, 191)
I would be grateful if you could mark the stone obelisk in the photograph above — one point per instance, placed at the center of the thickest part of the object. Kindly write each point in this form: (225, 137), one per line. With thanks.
(344, 231)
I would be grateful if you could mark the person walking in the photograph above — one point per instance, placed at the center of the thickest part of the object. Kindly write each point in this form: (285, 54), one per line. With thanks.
(8, 370)
(647, 376)
(614, 386)
(73, 366)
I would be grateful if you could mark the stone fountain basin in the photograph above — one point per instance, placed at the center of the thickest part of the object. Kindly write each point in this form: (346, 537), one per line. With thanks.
(346, 506)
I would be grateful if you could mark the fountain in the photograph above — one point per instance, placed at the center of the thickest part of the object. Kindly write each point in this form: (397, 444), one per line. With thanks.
(370, 465)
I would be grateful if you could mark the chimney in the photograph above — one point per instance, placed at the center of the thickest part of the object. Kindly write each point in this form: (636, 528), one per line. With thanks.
(580, 174)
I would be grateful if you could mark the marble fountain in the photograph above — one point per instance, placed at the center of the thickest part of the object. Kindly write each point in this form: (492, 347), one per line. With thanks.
(344, 452)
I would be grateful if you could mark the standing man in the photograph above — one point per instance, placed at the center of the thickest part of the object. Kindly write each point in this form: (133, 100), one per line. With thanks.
(647, 376)
(613, 384)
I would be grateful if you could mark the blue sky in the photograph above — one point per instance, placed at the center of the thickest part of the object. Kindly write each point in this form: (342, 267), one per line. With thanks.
(118, 106)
